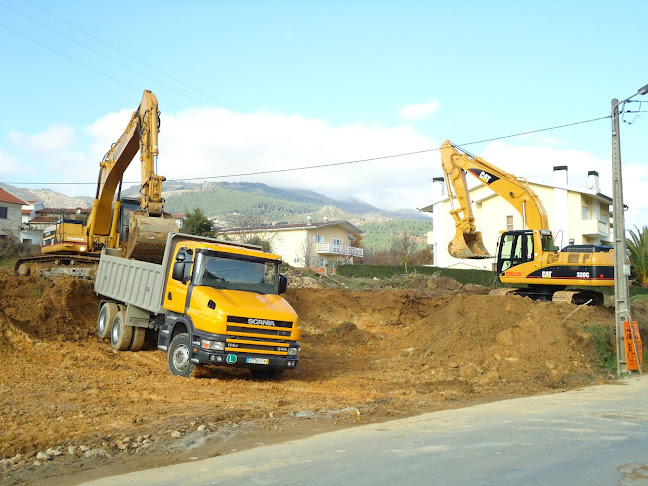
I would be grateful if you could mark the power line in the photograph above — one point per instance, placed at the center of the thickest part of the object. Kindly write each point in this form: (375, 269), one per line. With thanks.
(333, 164)
(100, 53)
(124, 53)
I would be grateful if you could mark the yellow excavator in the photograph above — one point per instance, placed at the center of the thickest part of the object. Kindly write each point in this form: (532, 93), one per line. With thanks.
(527, 256)
(138, 226)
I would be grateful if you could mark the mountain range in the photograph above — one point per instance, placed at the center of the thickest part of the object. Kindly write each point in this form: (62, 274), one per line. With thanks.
(233, 204)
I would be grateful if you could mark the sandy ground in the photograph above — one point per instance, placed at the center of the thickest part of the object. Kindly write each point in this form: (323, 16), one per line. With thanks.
(367, 356)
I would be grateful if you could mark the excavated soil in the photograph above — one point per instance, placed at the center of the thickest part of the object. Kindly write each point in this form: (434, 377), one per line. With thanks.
(367, 356)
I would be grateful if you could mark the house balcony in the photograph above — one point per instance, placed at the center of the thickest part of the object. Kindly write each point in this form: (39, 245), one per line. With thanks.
(594, 228)
(330, 249)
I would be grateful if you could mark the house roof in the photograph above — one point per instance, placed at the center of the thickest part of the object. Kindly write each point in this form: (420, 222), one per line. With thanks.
(10, 198)
(348, 227)
(43, 219)
(57, 211)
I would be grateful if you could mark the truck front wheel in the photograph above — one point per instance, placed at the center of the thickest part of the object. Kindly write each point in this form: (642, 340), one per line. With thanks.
(104, 321)
(180, 356)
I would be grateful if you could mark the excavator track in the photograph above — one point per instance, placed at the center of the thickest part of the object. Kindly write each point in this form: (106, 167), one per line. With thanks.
(503, 291)
(578, 297)
(57, 264)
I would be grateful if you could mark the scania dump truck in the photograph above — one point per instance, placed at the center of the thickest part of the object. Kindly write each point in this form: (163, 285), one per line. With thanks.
(210, 302)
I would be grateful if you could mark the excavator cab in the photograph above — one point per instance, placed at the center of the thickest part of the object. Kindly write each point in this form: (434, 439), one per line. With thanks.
(514, 248)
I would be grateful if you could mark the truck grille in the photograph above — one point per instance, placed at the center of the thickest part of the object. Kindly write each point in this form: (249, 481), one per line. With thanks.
(258, 336)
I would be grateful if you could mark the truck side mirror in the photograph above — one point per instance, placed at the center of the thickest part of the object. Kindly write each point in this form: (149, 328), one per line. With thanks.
(283, 283)
(178, 271)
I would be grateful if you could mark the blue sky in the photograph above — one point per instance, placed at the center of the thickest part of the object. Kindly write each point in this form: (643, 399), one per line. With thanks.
(265, 85)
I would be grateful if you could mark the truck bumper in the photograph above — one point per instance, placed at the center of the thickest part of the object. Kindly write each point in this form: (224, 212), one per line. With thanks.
(243, 360)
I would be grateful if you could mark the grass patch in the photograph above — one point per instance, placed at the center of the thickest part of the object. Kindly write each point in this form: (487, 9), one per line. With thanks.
(603, 340)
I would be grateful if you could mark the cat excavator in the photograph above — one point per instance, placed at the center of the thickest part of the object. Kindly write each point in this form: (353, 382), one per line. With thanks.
(528, 256)
(139, 226)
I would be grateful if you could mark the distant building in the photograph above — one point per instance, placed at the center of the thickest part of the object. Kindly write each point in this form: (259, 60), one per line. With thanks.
(576, 215)
(322, 244)
(10, 214)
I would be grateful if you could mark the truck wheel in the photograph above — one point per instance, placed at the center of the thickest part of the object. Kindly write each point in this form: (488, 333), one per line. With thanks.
(104, 321)
(121, 334)
(180, 356)
(139, 334)
(266, 374)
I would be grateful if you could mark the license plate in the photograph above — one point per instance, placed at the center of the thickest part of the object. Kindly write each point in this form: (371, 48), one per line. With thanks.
(261, 361)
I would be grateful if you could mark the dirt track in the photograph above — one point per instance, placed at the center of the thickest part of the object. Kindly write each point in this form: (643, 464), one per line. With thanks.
(366, 357)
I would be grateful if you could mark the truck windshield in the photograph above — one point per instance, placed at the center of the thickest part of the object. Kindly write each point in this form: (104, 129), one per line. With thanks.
(236, 274)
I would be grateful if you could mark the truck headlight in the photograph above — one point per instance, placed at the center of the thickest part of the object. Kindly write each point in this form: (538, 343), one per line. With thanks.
(292, 351)
(212, 345)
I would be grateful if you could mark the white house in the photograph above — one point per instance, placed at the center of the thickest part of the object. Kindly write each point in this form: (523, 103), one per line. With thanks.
(314, 244)
(10, 214)
(577, 215)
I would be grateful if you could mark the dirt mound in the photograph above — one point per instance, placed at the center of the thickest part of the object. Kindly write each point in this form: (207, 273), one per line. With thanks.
(64, 308)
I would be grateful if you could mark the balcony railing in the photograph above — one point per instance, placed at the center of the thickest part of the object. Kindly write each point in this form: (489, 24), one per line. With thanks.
(594, 227)
(331, 249)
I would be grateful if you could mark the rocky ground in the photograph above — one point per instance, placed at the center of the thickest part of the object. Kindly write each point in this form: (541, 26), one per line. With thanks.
(71, 409)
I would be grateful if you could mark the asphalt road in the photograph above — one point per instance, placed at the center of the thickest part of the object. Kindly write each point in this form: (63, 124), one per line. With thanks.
(591, 436)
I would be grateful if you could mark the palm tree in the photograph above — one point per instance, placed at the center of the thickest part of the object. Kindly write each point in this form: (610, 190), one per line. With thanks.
(638, 252)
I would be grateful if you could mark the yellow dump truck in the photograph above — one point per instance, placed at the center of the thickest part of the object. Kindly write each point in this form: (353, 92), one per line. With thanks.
(210, 302)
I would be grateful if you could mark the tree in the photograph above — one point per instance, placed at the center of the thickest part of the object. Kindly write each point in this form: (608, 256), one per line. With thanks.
(637, 246)
(252, 230)
(197, 223)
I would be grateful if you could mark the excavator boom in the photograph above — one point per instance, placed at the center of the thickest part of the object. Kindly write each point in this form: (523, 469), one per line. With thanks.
(467, 242)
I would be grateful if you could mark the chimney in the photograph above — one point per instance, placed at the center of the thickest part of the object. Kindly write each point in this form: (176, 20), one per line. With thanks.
(560, 175)
(309, 220)
(438, 188)
(593, 181)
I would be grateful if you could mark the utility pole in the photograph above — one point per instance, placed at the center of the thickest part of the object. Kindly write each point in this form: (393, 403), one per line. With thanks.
(621, 269)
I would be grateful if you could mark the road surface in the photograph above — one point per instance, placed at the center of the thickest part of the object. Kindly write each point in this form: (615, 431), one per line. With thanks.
(590, 436)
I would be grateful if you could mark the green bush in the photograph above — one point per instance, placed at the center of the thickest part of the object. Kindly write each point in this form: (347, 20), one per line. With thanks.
(478, 277)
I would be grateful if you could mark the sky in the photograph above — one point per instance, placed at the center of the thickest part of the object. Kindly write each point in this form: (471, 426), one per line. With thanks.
(256, 86)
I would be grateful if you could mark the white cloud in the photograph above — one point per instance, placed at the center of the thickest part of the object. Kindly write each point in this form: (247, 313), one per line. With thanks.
(56, 138)
(216, 142)
(418, 112)
(9, 165)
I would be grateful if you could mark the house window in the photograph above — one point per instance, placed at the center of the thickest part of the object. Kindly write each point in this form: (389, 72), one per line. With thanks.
(297, 260)
(3, 213)
(318, 239)
(336, 243)
(585, 212)
(509, 223)
(321, 262)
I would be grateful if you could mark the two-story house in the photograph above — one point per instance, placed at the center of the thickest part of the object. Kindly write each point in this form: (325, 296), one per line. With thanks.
(10, 214)
(577, 215)
(314, 244)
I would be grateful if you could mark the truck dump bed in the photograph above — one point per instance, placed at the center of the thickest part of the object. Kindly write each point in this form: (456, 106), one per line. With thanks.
(130, 281)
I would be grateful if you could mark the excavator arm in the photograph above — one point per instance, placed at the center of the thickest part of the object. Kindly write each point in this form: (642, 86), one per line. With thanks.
(467, 242)
(141, 134)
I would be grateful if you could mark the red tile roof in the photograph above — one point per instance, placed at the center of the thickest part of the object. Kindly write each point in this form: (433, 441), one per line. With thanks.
(10, 198)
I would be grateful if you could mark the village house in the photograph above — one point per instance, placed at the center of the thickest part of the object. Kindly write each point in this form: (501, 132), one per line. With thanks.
(314, 244)
(10, 214)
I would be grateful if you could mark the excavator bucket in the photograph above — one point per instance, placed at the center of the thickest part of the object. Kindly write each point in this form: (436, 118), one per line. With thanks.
(147, 236)
(468, 245)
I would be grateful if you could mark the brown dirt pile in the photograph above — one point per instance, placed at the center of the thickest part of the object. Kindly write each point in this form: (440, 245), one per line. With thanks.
(385, 353)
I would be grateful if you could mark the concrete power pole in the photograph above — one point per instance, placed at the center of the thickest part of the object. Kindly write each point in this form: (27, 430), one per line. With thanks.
(621, 269)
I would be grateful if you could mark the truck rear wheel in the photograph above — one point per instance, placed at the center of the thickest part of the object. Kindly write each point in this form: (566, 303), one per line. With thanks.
(180, 356)
(139, 335)
(121, 334)
(104, 321)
